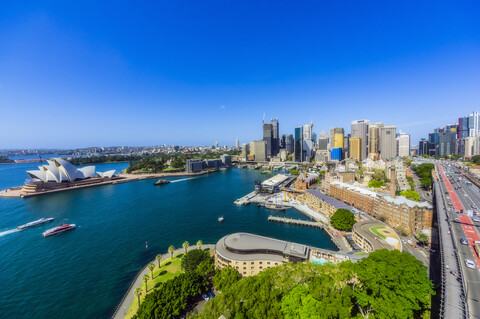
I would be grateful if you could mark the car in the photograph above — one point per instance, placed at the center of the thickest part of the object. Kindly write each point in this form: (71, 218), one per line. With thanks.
(476, 219)
(470, 264)
(457, 220)
(211, 294)
(205, 297)
(433, 251)
(463, 241)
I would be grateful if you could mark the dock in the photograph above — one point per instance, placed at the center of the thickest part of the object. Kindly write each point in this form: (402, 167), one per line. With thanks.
(245, 199)
(297, 222)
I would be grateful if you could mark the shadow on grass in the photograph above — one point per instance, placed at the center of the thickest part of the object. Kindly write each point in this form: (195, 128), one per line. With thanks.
(179, 256)
(167, 263)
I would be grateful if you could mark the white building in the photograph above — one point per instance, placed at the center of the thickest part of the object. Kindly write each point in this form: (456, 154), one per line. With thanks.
(403, 145)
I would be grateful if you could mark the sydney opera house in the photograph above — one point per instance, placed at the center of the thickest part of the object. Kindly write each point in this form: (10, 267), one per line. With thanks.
(59, 170)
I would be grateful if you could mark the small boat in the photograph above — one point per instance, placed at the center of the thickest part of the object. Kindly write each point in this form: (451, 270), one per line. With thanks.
(220, 219)
(58, 230)
(275, 207)
(35, 223)
(161, 181)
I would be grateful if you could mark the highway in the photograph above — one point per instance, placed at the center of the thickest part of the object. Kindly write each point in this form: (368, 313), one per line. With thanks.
(463, 197)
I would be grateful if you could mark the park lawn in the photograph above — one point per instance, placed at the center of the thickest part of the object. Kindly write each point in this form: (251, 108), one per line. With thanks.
(168, 270)
(375, 229)
(360, 253)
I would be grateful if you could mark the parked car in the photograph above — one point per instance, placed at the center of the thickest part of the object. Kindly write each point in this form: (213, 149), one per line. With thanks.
(476, 219)
(457, 220)
(470, 264)
(463, 241)
(211, 294)
(204, 296)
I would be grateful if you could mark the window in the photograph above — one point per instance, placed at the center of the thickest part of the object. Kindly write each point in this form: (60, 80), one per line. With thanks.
(236, 263)
(252, 263)
(244, 268)
(253, 273)
(268, 263)
(253, 268)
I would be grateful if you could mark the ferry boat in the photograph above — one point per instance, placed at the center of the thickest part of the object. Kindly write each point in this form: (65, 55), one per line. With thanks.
(161, 182)
(35, 223)
(275, 207)
(58, 230)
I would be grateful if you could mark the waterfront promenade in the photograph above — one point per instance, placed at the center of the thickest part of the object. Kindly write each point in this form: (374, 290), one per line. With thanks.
(128, 298)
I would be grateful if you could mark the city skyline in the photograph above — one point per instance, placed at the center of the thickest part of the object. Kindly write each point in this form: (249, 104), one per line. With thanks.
(191, 75)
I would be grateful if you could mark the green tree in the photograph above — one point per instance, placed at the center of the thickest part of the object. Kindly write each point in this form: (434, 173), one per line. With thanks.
(411, 195)
(145, 280)
(185, 245)
(343, 219)
(138, 292)
(159, 259)
(422, 238)
(225, 278)
(392, 285)
(171, 250)
(294, 172)
(193, 258)
(475, 159)
(199, 244)
(151, 266)
(375, 183)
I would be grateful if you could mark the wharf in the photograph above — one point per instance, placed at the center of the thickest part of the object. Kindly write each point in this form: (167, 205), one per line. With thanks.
(292, 221)
(245, 199)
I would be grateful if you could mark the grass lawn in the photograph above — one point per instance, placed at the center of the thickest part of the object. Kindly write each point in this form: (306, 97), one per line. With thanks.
(375, 229)
(360, 253)
(168, 270)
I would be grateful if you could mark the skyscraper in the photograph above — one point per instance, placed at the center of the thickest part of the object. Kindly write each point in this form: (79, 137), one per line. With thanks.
(289, 143)
(373, 139)
(356, 148)
(473, 124)
(259, 150)
(237, 144)
(360, 129)
(338, 137)
(403, 145)
(387, 142)
(268, 137)
(299, 144)
(323, 142)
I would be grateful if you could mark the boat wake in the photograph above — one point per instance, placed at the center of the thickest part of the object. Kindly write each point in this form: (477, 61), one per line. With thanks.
(183, 179)
(3, 233)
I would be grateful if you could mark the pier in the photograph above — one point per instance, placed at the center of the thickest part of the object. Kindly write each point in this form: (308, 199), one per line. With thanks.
(297, 222)
(245, 199)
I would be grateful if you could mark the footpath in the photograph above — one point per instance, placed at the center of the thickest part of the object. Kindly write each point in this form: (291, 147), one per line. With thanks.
(137, 282)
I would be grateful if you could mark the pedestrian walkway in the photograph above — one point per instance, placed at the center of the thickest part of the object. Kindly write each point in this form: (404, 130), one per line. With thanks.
(137, 282)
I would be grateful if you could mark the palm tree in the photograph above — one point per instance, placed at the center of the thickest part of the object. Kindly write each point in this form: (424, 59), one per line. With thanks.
(199, 244)
(185, 246)
(171, 250)
(151, 266)
(145, 280)
(159, 259)
(138, 292)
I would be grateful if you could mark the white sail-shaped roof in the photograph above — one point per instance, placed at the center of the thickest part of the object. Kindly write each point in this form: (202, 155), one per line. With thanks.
(67, 169)
(58, 170)
(86, 172)
(108, 174)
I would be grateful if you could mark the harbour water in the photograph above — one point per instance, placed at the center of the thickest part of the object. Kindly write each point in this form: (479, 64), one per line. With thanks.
(85, 272)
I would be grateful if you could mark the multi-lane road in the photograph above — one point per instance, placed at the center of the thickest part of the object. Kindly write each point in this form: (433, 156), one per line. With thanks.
(463, 196)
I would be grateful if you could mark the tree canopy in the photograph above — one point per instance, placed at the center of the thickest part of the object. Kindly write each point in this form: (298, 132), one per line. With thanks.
(413, 195)
(424, 172)
(387, 284)
(225, 278)
(343, 219)
(375, 183)
(193, 258)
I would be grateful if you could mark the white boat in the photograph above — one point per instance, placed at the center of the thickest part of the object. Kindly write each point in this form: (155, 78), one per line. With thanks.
(220, 219)
(35, 223)
(58, 230)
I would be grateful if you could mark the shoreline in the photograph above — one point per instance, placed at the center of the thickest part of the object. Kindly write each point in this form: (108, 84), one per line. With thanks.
(16, 192)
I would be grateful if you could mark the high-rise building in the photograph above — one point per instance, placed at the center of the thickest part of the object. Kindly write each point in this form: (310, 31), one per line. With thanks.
(387, 145)
(346, 146)
(289, 143)
(356, 148)
(374, 138)
(323, 142)
(462, 131)
(271, 137)
(307, 132)
(237, 144)
(447, 140)
(338, 137)
(360, 129)
(314, 139)
(403, 145)
(473, 124)
(299, 144)
(245, 151)
(268, 137)
(471, 146)
(259, 150)
(216, 144)
(275, 137)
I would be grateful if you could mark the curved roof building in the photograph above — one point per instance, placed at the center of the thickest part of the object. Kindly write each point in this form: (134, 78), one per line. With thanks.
(59, 170)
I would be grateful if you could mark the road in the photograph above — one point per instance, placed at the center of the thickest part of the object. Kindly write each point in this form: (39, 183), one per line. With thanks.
(463, 197)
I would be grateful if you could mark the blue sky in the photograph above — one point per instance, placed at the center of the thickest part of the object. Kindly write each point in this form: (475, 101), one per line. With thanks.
(75, 74)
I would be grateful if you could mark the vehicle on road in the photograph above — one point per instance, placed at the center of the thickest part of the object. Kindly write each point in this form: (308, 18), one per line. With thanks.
(476, 247)
(470, 264)
(457, 220)
(204, 296)
(463, 241)
(476, 219)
